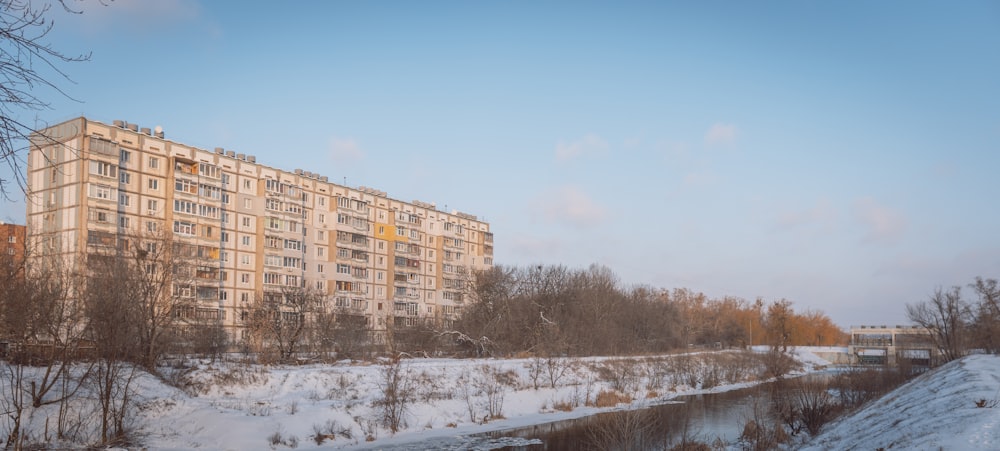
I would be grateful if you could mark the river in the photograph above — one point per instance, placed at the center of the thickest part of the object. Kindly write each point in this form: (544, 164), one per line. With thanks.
(703, 417)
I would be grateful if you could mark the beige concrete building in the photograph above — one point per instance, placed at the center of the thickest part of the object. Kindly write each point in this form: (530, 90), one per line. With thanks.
(888, 345)
(250, 228)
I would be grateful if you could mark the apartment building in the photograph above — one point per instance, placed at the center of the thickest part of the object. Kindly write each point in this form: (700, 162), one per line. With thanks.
(248, 229)
(12, 238)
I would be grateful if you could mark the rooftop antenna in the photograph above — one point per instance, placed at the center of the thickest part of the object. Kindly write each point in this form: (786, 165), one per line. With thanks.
(345, 181)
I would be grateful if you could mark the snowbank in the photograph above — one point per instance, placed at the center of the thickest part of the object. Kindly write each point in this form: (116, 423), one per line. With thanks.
(936, 410)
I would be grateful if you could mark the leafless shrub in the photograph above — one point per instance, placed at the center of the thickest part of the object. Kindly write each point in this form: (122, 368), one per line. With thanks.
(622, 374)
(491, 382)
(622, 430)
(685, 370)
(536, 367)
(329, 431)
(657, 371)
(369, 428)
(804, 405)
(857, 385)
(468, 390)
(556, 368)
(778, 363)
(709, 373)
(735, 367)
(397, 393)
(277, 438)
(760, 433)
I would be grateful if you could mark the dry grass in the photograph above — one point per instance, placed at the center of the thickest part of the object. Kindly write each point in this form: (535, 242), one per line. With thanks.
(607, 398)
(563, 406)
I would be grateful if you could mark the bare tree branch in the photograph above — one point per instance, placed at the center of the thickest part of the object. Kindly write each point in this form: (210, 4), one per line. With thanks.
(29, 68)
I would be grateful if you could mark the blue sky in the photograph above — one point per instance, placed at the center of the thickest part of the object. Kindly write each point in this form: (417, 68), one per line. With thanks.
(839, 155)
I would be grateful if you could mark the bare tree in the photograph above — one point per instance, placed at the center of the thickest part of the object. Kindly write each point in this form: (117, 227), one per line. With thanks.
(156, 272)
(947, 316)
(280, 320)
(778, 324)
(113, 326)
(27, 63)
(986, 326)
(42, 328)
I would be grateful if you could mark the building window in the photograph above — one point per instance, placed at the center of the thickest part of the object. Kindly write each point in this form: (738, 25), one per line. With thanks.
(248, 204)
(224, 237)
(103, 169)
(154, 184)
(152, 227)
(152, 206)
(101, 192)
(246, 240)
(124, 199)
(184, 228)
(125, 156)
(125, 177)
(154, 163)
(186, 186)
(208, 170)
(124, 222)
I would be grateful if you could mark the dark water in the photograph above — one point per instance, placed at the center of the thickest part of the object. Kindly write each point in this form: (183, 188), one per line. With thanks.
(705, 418)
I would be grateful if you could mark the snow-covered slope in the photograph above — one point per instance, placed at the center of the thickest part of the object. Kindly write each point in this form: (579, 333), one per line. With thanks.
(934, 411)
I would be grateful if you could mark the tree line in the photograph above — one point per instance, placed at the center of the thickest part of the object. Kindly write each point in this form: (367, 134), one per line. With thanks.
(557, 310)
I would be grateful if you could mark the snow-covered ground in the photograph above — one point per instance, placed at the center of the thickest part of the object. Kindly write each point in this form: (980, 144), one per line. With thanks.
(935, 411)
(226, 405)
(229, 406)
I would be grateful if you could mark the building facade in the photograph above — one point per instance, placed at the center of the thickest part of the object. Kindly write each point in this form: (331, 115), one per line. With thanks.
(248, 228)
(887, 345)
(12, 238)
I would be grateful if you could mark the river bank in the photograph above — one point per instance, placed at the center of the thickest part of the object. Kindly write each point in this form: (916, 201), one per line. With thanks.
(227, 407)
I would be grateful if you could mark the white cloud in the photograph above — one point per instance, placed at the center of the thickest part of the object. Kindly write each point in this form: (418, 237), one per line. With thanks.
(345, 150)
(589, 144)
(571, 206)
(721, 134)
(882, 223)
